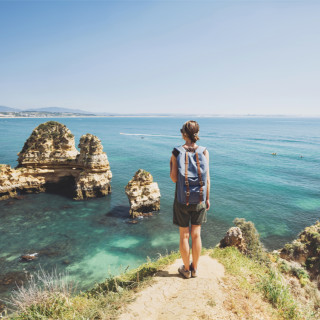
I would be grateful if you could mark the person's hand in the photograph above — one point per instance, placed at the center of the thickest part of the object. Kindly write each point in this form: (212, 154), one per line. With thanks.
(208, 204)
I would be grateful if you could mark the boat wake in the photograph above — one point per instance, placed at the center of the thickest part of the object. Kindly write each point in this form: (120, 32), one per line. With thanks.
(148, 135)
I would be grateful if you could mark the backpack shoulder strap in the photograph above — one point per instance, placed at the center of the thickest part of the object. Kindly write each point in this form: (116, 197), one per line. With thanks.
(200, 178)
(186, 177)
(201, 149)
(181, 149)
(178, 150)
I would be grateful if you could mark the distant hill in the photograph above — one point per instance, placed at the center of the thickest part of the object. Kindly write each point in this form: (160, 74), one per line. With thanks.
(8, 109)
(57, 109)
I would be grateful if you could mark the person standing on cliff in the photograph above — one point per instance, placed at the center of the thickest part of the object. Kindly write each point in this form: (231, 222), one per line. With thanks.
(189, 170)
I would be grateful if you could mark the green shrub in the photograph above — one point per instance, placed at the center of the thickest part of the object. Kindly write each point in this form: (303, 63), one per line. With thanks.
(252, 238)
(284, 267)
(301, 274)
(53, 307)
(278, 293)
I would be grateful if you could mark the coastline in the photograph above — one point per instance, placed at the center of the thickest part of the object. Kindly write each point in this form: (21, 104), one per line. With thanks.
(172, 116)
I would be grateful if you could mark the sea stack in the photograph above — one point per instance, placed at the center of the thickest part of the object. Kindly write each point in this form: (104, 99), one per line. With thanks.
(94, 180)
(143, 194)
(49, 161)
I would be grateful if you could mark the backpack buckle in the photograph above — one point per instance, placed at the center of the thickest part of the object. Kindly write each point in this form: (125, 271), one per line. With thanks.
(188, 193)
(186, 183)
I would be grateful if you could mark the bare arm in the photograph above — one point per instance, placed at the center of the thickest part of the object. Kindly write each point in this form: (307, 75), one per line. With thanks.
(173, 169)
(208, 181)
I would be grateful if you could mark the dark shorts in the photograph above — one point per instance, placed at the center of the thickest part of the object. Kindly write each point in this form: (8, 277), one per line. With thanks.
(194, 213)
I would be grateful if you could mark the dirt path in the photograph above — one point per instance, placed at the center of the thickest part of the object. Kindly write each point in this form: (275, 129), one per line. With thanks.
(173, 297)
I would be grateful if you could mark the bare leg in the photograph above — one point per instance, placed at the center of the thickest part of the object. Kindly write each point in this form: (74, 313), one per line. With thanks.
(184, 246)
(196, 245)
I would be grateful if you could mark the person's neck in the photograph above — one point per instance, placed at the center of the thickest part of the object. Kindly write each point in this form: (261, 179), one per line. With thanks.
(190, 144)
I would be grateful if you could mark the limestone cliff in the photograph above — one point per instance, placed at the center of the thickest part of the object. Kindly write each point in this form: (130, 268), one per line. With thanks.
(95, 178)
(14, 181)
(233, 238)
(49, 161)
(305, 250)
(50, 144)
(143, 194)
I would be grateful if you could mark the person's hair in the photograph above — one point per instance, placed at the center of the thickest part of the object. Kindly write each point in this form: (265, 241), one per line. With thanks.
(191, 130)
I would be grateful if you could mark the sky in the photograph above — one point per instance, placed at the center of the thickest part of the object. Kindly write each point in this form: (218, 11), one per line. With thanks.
(183, 57)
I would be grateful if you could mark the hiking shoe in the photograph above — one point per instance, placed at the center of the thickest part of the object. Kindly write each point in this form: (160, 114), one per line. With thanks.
(194, 272)
(185, 273)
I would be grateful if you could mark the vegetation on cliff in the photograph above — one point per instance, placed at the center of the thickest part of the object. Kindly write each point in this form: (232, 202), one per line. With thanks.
(305, 250)
(254, 280)
(286, 286)
(54, 300)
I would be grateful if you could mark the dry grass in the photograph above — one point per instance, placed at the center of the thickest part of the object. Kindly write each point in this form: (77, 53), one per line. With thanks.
(253, 290)
(41, 288)
(245, 303)
(253, 278)
(44, 295)
(51, 295)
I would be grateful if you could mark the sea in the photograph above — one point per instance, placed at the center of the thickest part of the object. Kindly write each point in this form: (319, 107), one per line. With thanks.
(92, 240)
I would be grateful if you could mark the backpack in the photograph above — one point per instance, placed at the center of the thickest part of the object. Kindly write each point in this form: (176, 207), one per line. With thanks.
(192, 176)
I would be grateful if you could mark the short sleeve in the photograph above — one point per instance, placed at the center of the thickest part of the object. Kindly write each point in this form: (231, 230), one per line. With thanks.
(175, 152)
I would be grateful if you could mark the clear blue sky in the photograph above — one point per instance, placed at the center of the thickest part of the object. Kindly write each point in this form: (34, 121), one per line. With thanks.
(217, 57)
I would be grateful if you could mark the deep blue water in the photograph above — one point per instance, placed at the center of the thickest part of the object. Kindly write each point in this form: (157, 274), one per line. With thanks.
(92, 239)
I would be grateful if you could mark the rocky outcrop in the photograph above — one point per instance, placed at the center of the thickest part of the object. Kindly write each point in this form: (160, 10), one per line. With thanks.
(49, 161)
(15, 181)
(305, 250)
(50, 144)
(143, 194)
(94, 180)
(29, 257)
(233, 238)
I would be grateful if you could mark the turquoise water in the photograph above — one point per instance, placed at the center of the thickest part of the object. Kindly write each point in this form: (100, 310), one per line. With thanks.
(93, 239)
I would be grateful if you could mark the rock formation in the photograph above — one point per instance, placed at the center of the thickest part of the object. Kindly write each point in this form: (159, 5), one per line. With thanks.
(305, 250)
(94, 180)
(29, 257)
(14, 181)
(49, 161)
(233, 238)
(143, 194)
(50, 144)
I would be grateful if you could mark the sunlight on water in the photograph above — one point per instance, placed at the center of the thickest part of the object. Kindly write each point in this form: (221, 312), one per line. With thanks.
(165, 239)
(125, 242)
(99, 265)
(308, 204)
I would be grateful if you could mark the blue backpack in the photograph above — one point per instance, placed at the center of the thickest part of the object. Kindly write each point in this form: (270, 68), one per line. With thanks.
(192, 176)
